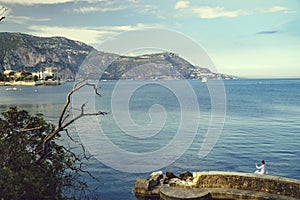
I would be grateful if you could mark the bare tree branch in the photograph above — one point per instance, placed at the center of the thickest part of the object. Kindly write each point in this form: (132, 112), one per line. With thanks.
(31, 129)
(2, 11)
(85, 156)
(62, 123)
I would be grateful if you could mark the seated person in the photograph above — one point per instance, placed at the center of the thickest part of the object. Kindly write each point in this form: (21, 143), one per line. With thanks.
(261, 169)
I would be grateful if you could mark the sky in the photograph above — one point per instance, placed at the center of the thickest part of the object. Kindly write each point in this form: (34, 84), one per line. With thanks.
(246, 38)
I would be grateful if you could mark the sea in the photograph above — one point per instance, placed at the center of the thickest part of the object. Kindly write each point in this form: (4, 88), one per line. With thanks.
(178, 126)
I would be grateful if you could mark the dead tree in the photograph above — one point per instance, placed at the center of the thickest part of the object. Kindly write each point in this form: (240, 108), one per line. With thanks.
(63, 123)
(2, 11)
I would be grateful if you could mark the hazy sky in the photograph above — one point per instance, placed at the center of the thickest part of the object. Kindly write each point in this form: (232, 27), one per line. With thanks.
(249, 38)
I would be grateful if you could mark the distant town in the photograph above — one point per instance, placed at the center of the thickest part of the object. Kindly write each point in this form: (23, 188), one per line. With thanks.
(47, 76)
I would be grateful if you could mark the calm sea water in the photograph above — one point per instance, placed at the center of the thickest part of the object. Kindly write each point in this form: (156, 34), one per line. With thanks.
(262, 122)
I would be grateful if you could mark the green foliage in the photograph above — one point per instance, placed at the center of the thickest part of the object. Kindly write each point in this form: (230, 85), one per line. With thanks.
(35, 78)
(25, 73)
(48, 78)
(2, 77)
(24, 170)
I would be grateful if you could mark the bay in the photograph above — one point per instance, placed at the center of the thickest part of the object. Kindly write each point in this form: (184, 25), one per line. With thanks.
(261, 122)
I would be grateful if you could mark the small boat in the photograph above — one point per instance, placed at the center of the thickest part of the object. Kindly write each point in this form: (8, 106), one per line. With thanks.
(14, 88)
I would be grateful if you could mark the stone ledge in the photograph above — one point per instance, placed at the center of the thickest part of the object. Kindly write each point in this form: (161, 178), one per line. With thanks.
(218, 185)
(246, 181)
(227, 173)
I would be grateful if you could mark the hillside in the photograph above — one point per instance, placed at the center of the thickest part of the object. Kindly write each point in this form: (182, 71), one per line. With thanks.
(26, 52)
(154, 66)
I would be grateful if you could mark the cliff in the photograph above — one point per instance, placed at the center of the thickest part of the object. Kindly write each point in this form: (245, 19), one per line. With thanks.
(26, 52)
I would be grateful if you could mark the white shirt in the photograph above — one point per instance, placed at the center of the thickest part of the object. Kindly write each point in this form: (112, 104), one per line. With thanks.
(262, 169)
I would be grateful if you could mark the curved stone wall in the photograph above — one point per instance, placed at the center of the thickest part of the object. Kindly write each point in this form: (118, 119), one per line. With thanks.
(246, 181)
(219, 185)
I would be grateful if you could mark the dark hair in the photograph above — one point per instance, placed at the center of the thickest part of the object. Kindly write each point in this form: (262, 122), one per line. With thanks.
(263, 161)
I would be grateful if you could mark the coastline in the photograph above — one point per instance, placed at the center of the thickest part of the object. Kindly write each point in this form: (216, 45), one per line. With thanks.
(30, 83)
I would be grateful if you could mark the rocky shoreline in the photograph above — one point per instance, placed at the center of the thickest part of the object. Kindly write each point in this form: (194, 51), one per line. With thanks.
(214, 185)
(150, 187)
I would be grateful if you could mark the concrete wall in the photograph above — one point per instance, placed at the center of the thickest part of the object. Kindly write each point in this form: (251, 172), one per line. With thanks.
(246, 181)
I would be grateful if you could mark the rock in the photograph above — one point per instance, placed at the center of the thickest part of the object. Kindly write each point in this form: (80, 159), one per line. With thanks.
(154, 179)
(150, 186)
(186, 176)
(156, 176)
(142, 189)
(170, 175)
(174, 182)
(141, 186)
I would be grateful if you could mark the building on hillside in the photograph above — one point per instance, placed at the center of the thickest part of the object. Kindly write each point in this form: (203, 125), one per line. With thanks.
(9, 73)
(47, 73)
(44, 74)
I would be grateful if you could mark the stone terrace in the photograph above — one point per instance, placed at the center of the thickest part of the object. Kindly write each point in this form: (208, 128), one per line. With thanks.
(226, 185)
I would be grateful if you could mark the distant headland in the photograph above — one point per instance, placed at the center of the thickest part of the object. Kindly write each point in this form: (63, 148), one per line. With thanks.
(30, 54)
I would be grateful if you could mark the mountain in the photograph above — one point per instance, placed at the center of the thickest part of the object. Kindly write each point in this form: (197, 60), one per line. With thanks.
(154, 66)
(163, 66)
(26, 52)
